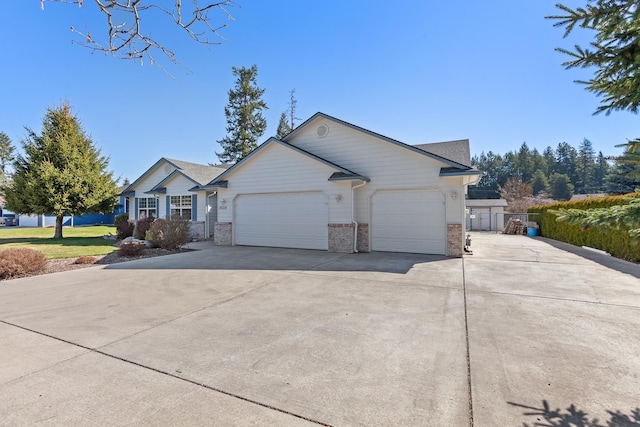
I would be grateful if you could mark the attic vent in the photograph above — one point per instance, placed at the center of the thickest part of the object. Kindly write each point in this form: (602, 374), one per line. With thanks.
(323, 130)
(167, 169)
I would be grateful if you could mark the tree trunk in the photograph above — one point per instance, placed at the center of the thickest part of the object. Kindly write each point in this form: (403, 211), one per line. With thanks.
(59, 220)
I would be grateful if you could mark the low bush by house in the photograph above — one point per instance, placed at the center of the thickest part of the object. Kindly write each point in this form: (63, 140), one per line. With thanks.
(130, 249)
(15, 262)
(124, 227)
(170, 233)
(142, 226)
(613, 240)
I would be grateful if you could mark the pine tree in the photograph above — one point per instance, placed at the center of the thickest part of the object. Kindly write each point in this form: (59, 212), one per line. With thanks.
(61, 172)
(585, 167)
(539, 182)
(283, 127)
(560, 186)
(245, 123)
(601, 171)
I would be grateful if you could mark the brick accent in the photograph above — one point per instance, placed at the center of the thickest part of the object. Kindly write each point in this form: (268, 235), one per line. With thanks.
(222, 234)
(197, 230)
(363, 237)
(454, 240)
(341, 238)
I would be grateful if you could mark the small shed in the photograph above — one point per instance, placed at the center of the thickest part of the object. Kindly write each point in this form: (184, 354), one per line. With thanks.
(485, 214)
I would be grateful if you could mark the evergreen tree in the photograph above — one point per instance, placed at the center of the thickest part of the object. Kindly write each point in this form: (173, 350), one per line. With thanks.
(585, 167)
(566, 157)
(539, 182)
(560, 186)
(283, 127)
(538, 163)
(61, 172)
(615, 55)
(6, 156)
(245, 123)
(525, 162)
(615, 52)
(550, 159)
(601, 171)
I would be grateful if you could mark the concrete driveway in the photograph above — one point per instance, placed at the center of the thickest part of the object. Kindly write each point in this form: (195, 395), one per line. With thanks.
(261, 336)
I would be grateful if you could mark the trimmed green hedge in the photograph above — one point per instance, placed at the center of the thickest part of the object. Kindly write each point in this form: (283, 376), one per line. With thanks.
(615, 241)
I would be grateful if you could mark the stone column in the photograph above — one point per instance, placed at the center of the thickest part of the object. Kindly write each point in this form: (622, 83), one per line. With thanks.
(341, 238)
(222, 234)
(454, 240)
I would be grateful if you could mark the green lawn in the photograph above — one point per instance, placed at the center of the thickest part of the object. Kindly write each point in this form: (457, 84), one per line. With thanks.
(77, 241)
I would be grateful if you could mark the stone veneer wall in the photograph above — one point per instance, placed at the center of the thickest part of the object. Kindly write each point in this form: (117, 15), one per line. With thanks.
(222, 234)
(363, 237)
(197, 230)
(341, 238)
(454, 240)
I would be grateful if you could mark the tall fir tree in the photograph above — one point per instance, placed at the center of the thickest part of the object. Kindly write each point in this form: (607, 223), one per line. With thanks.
(61, 172)
(283, 127)
(585, 167)
(600, 172)
(245, 123)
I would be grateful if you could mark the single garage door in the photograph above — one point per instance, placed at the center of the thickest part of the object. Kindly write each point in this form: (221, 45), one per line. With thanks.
(285, 220)
(409, 221)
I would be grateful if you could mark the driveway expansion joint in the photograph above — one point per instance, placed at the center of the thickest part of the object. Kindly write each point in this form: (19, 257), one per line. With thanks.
(169, 374)
(466, 335)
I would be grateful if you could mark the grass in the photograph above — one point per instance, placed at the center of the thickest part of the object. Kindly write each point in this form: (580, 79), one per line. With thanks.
(77, 241)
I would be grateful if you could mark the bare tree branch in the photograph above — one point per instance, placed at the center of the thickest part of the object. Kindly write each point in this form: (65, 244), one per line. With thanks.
(127, 39)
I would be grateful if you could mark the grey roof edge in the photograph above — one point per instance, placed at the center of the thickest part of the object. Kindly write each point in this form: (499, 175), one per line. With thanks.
(218, 184)
(458, 172)
(147, 172)
(348, 177)
(376, 135)
(156, 191)
(286, 145)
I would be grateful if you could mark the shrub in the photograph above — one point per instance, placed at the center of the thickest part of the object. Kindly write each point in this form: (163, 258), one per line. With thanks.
(21, 261)
(85, 259)
(124, 227)
(129, 249)
(142, 226)
(170, 233)
(616, 241)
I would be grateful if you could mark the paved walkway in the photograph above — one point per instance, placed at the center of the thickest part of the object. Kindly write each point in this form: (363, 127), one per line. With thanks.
(261, 336)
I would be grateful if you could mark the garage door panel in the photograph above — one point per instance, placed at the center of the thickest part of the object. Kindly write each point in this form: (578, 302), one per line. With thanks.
(289, 220)
(409, 221)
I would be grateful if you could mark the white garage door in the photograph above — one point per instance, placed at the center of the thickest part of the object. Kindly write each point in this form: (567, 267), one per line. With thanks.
(409, 221)
(285, 220)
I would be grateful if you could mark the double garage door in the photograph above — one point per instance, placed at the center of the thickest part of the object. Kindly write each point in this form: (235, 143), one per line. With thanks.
(401, 221)
(285, 220)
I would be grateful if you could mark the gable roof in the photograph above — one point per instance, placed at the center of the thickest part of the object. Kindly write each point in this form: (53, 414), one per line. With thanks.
(457, 151)
(195, 172)
(452, 162)
(343, 173)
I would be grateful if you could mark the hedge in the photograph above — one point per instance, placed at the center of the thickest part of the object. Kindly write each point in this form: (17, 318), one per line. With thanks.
(615, 241)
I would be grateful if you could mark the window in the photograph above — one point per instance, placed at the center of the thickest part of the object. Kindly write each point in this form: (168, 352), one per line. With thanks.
(181, 206)
(146, 207)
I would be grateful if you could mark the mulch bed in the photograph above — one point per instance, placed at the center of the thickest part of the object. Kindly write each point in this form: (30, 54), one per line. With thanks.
(66, 264)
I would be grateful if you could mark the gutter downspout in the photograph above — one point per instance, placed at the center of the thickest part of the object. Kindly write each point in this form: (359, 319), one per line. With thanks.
(207, 224)
(353, 215)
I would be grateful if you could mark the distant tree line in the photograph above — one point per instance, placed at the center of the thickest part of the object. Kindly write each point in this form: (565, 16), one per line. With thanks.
(559, 172)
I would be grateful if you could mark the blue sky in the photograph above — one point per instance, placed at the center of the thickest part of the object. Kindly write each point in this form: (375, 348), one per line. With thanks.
(416, 71)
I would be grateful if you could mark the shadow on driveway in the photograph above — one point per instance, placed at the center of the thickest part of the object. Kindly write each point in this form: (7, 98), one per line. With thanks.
(605, 260)
(573, 416)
